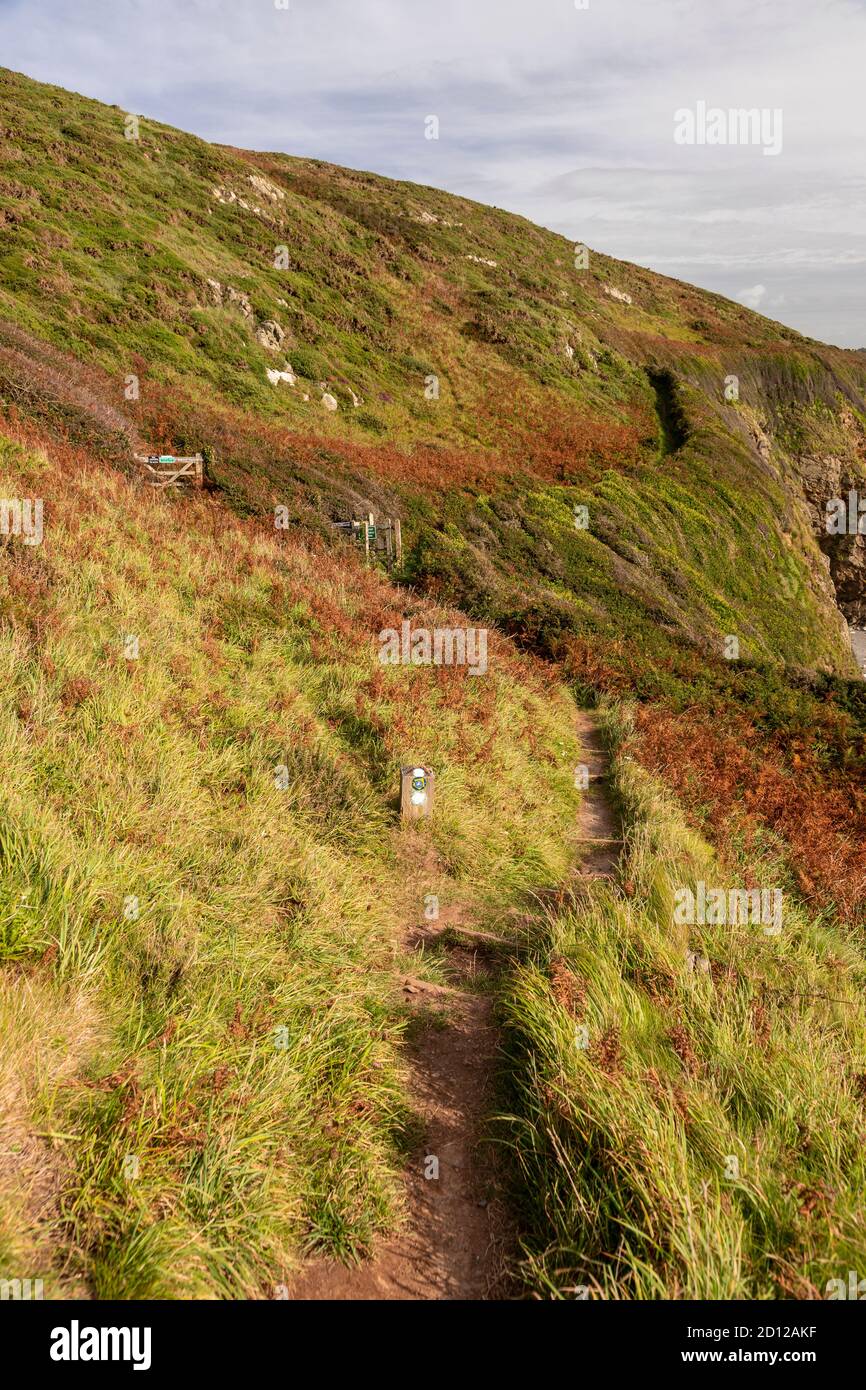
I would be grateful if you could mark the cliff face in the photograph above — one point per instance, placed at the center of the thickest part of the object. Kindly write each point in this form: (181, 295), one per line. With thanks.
(828, 484)
(833, 480)
(803, 422)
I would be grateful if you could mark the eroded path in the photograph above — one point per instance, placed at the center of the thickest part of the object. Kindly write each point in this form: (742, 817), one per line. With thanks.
(458, 1236)
(599, 832)
(454, 1242)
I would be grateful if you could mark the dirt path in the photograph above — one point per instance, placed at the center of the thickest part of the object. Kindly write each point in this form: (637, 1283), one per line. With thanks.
(454, 1241)
(599, 832)
(457, 1238)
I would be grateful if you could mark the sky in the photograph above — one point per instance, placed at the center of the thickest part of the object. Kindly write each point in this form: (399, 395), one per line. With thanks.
(567, 111)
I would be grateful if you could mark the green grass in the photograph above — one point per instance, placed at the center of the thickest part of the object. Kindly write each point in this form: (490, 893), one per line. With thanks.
(201, 969)
(703, 1138)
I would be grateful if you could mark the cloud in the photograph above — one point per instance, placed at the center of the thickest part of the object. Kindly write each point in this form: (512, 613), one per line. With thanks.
(753, 297)
(563, 115)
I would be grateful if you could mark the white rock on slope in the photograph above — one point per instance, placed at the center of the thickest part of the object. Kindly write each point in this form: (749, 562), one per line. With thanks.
(618, 294)
(270, 335)
(226, 295)
(266, 188)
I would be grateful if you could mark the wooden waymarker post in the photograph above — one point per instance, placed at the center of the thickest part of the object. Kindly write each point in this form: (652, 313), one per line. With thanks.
(417, 785)
(165, 470)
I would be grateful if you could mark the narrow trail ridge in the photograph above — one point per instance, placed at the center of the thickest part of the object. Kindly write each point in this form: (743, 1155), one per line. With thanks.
(458, 1235)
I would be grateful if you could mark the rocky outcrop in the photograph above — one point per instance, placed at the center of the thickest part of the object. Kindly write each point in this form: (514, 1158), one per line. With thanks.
(270, 335)
(761, 441)
(227, 197)
(227, 297)
(826, 478)
(849, 577)
(427, 219)
(266, 188)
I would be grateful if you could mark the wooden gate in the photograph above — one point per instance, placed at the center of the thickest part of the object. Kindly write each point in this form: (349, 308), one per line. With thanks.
(384, 538)
(164, 470)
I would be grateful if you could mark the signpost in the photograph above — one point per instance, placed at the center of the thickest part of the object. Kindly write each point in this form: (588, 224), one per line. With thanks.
(417, 785)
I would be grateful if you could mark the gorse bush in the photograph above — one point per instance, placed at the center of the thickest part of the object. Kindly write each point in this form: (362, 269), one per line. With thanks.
(308, 363)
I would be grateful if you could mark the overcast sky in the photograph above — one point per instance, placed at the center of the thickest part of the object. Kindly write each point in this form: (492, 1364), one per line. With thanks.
(560, 113)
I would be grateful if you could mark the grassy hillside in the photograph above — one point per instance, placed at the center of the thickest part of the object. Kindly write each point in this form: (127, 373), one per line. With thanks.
(172, 262)
(703, 515)
(168, 909)
(625, 478)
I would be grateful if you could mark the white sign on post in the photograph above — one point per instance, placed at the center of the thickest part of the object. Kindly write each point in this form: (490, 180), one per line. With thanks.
(416, 792)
